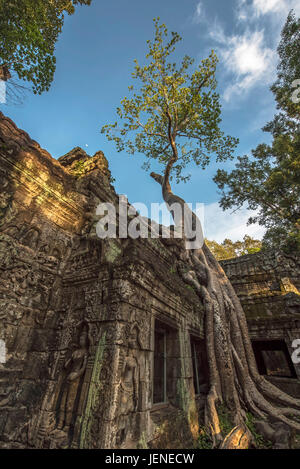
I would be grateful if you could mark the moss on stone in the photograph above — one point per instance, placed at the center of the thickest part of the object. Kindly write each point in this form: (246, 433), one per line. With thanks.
(225, 417)
(204, 441)
(113, 251)
(142, 443)
(260, 442)
(188, 406)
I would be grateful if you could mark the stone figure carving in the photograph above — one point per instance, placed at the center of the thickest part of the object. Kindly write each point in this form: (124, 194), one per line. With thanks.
(129, 385)
(4, 252)
(75, 367)
(5, 195)
(45, 249)
(56, 253)
(18, 279)
(12, 231)
(31, 238)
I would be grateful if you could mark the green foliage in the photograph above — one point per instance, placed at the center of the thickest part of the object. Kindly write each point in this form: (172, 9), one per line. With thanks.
(225, 419)
(288, 67)
(226, 425)
(269, 179)
(79, 167)
(28, 33)
(174, 113)
(296, 441)
(142, 443)
(260, 442)
(204, 440)
(113, 251)
(229, 249)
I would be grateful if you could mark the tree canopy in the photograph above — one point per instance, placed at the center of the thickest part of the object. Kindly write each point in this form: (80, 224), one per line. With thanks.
(229, 249)
(268, 180)
(29, 30)
(288, 69)
(175, 114)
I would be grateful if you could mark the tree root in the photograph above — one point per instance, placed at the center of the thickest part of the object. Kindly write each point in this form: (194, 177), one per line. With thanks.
(253, 392)
(212, 418)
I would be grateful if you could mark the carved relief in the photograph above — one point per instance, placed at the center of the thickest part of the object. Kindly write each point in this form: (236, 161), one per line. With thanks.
(129, 387)
(31, 238)
(8, 251)
(12, 230)
(45, 249)
(56, 253)
(85, 253)
(74, 369)
(5, 195)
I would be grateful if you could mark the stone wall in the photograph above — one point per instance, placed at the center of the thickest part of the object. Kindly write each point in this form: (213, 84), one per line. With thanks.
(268, 286)
(78, 314)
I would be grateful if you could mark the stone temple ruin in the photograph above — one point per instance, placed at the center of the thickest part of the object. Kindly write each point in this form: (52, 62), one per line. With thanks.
(101, 342)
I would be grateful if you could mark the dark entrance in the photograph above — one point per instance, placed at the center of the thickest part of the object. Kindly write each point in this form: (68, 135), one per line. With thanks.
(273, 358)
(200, 365)
(166, 363)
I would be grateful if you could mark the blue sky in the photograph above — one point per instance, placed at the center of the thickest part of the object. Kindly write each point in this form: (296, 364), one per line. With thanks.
(95, 56)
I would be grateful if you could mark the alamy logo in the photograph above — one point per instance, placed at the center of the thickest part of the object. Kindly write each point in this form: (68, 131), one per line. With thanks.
(132, 225)
(296, 93)
(296, 353)
(2, 351)
(2, 92)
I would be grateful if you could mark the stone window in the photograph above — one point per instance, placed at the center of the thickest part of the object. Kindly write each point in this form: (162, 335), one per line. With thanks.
(273, 358)
(166, 363)
(200, 365)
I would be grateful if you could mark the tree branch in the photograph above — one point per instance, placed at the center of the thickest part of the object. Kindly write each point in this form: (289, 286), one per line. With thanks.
(186, 117)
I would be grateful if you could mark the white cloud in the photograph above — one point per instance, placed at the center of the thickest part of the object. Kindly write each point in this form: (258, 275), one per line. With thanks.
(199, 9)
(262, 7)
(246, 58)
(259, 8)
(249, 54)
(250, 62)
(219, 225)
(199, 13)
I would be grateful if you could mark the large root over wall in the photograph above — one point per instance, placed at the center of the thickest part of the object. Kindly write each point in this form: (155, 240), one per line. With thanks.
(233, 376)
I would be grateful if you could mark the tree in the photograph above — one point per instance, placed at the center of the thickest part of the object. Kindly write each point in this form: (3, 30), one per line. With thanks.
(221, 251)
(29, 30)
(174, 119)
(248, 246)
(229, 249)
(288, 68)
(269, 180)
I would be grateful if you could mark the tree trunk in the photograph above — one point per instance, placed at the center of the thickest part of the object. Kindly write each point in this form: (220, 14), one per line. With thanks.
(233, 376)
